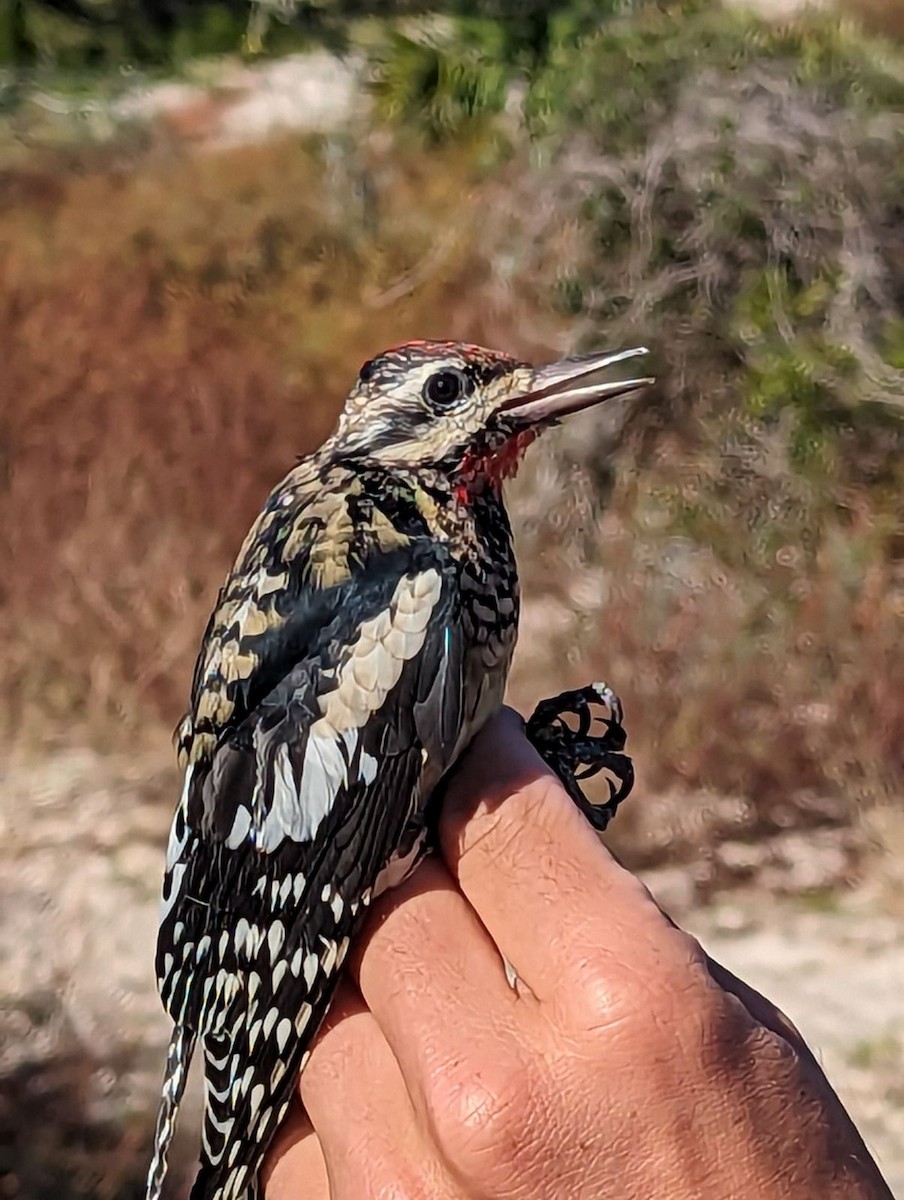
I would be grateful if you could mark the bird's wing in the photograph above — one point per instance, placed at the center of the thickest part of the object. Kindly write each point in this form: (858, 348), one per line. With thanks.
(282, 833)
(319, 534)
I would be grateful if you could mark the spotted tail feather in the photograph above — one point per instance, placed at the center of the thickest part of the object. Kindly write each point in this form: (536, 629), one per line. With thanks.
(178, 1059)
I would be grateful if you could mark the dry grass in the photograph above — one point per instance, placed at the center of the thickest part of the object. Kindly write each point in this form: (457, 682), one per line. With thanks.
(882, 16)
(750, 713)
(175, 335)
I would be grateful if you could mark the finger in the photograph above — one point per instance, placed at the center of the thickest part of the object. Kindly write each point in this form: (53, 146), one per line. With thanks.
(551, 896)
(295, 1168)
(358, 1104)
(760, 1008)
(436, 984)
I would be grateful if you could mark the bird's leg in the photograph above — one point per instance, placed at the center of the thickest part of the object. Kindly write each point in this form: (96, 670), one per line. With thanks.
(575, 752)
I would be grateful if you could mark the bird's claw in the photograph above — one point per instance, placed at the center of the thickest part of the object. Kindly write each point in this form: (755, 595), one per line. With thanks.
(575, 753)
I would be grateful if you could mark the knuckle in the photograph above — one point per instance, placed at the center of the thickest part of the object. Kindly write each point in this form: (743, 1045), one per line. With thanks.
(478, 1117)
(494, 833)
(390, 1180)
(643, 998)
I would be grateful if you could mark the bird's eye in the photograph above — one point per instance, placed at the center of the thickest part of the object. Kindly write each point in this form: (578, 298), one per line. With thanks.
(445, 388)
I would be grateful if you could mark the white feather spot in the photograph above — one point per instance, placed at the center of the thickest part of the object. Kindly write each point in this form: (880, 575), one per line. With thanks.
(298, 885)
(283, 1031)
(254, 983)
(254, 1033)
(174, 885)
(276, 935)
(367, 768)
(311, 967)
(240, 825)
(203, 947)
(337, 904)
(263, 1121)
(278, 972)
(284, 888)
(270, 1020)
(256, 1098)
(327, 891)
(242, 932)
(295, 962)
(301, 1021)
(328, 958)
(240, 1086)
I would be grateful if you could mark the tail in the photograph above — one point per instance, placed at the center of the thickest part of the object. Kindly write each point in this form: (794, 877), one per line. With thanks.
(178, 1058)
(246, 1098)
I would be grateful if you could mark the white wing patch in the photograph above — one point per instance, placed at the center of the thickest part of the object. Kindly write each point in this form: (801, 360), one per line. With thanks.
(372, 668)
(384, 644)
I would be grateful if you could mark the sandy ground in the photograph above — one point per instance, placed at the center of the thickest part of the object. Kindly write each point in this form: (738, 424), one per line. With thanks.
(83, 840)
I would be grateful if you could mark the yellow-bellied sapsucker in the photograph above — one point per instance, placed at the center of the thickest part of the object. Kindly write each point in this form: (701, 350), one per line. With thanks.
(361, 640)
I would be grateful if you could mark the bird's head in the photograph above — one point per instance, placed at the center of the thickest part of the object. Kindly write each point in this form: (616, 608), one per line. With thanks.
(465, 411)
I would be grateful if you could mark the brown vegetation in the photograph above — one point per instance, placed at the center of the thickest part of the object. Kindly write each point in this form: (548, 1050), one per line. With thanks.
(883, 16)
(175, 334)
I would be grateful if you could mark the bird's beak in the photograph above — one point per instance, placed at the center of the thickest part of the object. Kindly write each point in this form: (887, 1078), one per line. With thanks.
(572, 384)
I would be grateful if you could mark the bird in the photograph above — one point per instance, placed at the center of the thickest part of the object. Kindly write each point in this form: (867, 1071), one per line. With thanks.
(361, 640)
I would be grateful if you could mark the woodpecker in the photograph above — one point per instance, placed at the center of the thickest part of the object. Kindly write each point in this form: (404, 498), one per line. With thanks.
(361, 640)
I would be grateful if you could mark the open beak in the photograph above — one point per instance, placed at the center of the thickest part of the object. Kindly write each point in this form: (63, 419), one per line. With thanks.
(573, 384)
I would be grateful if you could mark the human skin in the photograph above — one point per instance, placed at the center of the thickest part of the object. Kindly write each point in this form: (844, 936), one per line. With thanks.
(625, 1064)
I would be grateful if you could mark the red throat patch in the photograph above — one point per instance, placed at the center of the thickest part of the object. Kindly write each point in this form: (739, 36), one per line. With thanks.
(492, 468)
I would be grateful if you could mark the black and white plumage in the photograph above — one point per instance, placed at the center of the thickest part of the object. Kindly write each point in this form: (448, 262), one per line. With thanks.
(361, 640)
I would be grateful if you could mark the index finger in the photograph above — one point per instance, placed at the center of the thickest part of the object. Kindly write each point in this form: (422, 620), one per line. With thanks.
(552, 897)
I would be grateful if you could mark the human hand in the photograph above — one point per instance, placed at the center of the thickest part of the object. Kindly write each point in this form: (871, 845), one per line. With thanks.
(627, 1064)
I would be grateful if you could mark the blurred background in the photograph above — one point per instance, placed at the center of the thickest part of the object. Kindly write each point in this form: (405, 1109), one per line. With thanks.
(211, 213)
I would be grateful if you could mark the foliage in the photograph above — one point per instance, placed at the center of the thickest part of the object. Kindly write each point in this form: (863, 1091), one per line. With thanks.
(93, 33)
(728, 192)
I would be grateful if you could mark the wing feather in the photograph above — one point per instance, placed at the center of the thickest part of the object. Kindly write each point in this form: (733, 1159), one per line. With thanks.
(283, 832)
